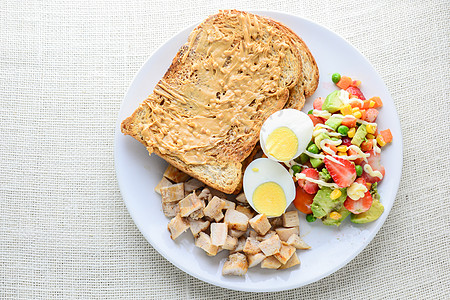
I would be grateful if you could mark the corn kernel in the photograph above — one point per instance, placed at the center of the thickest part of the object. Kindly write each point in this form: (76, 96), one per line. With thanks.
(336, 193)
(357, 114)
(342, 153)
(342, 148)
(346, 109)
(355, 109)
(370, 136)
(371, 128)
(335, 215)
(351, 132)
(380, 140)
(371, 103)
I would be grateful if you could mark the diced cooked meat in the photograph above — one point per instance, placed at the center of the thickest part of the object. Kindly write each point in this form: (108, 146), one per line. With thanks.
(268, 235)
(205, 195)
(203, 241)
(293, 261)
(241, 198)
(271, 246)
(297, 242)
(175, 175)
(236, 220)
(219, 233)
(229, 204)
(198, 214)
(286, 251)
(255, 259)
(190, 204)
(252, 233)
(240, 245)
(236, 264)
(260, 223)
(276, 222)
(197, 226)
(163, 183)
(290, 219)
(177, 226)
(192, 185)
(214, 209)
(285, 233)
(236, 233)
(170, 209)
(172, 193)
(270, 263)
(245, 210)
(217, 193)
(230, 243)
(251, 246)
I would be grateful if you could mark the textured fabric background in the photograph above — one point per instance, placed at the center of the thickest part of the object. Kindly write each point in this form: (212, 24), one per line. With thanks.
(64, 69)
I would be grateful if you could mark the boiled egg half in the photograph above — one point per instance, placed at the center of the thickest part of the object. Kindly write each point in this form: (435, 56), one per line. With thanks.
(268, 187)
(286, 134)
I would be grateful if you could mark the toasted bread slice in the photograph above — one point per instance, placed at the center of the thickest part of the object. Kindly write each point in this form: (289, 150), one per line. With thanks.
(204, 116)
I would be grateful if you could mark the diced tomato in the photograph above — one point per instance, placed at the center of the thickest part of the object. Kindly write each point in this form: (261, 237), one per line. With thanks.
(378, 102)
(351, 152)
(367, 145)
(316, 120)
(349, 121)
(346, 141)
(371, 115)
(356, 92)
(303, 200)
(356, 103)
(387, 135)
(317, 104)
(344, 83)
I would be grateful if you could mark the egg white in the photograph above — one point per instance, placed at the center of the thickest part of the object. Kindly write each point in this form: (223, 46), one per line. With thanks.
(295, 120)
(267, 171)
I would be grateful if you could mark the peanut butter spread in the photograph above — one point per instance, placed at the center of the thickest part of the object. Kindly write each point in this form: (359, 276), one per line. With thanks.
(225, 81)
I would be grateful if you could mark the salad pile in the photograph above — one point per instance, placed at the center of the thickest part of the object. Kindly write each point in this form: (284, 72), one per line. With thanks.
(338, 173)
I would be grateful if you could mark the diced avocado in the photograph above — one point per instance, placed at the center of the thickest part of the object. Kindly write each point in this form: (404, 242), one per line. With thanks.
(342, 211)
(359, 135)
(302, 159)
(334, 122)
(315, 162)
(320, 137)
(332, 103)
(374, 212)
(322, 203)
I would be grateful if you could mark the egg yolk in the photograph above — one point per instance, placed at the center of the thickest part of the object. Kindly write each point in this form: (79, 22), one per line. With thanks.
(282, 143)
(269, 198)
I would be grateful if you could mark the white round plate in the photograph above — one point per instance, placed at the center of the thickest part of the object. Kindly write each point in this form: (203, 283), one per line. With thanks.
(331, 247)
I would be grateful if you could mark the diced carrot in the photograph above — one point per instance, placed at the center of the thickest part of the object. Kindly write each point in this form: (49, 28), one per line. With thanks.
(366, 104)
(363, 114)
(316, 120)
(344, 83)
(387, 135)
(349, 121)
(332, 147)
(378, 102)
(367, 145)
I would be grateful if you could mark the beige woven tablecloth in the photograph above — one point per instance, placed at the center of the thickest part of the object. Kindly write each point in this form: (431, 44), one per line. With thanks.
(64, 69)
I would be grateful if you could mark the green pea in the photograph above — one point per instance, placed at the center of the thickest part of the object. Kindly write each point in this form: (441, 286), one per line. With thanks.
(310, 218)
(296, 169)
(310, 112)
(343, 130)
(359, 170)
(313, 149)
(336, 77)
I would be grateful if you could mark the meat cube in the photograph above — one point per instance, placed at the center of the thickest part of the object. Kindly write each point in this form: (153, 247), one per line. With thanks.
(251, 246)
(190, 204)
(260, 223)
(270, 263)
(192, 185)
(203, 241)
(214, 209)
(246, 211)
(198, 214)
(297, 242)
(175, 175)
(276, 222)
(205, 195)
(252, 233)
(170, 209)
(241, 198)
(255, 259)
(240, 245)
(219, 233)
(236, 264)
(236, 233)
(197, 226)
(236, 220)
(268, 235)
(229, 204)
(163, 183)
(230, 243)
(285, 233)
(285, 253)
(290, 219)
(271, 246)
(172, 193)
(177, 226)
(293, 261)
